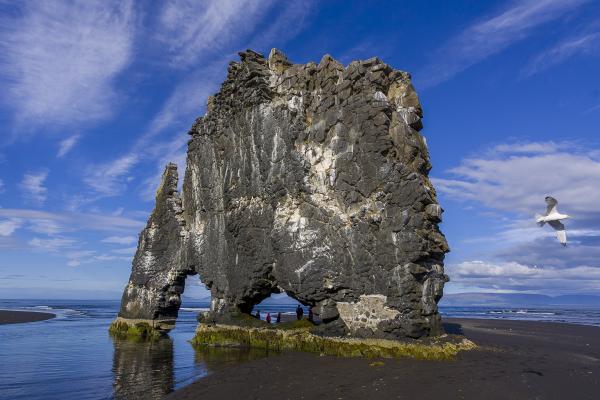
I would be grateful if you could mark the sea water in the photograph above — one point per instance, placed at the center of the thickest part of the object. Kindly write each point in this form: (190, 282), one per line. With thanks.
(73, 357)
(571, 315)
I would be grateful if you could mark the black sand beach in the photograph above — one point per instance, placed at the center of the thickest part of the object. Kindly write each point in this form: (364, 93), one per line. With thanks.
(516, 360)
(17, 317)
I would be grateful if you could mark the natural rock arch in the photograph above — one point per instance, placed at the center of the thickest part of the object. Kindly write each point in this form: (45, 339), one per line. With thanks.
(311, 179)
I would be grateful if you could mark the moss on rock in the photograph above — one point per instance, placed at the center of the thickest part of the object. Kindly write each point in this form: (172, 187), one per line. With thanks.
(300, 339)
(141, 330)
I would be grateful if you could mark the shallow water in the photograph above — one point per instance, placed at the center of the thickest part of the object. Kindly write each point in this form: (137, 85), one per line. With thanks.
(73, 356)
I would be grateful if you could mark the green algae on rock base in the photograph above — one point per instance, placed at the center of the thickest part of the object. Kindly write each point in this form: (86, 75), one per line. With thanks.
(140, 330)
(301, 339)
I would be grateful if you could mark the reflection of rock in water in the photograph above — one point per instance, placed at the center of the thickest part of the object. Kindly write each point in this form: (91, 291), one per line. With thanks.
(215, 358)
(143, 369)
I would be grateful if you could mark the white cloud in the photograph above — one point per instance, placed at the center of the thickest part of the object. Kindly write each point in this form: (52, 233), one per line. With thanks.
(105, 257)
(1, 186)
(33, 188)
(51, 245)
(128, 251)
(491, 36)
(59, 59)
(120, 240)
(66, 145)
(45, 226)
(9, 226)
(73, 221)
(514, 276)
(531, 147)
(289, 20)
(190, 28)
(110, 178)
(76, 258)
(563, 51)
(518, 181)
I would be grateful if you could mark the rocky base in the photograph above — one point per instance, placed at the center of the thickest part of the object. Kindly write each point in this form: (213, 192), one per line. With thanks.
(299, 337)
(140, 329)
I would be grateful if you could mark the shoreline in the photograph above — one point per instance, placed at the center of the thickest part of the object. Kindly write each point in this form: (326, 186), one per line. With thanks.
(515, 359)
(21, 317)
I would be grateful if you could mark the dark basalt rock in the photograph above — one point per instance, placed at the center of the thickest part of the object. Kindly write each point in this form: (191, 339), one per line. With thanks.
(309, 179)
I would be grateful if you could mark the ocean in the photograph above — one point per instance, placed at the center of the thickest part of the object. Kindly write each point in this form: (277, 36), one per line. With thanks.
(73, 356)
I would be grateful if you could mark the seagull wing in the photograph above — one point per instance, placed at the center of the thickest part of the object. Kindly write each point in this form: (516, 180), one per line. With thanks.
(552, 203)
(561, 233)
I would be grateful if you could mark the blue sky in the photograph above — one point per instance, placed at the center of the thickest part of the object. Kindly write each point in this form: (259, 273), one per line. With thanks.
(96, 97)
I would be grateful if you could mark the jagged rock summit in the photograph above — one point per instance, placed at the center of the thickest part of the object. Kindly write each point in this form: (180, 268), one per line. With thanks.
(306, 178)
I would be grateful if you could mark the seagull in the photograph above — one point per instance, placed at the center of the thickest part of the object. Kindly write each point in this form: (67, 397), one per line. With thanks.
(553, 218)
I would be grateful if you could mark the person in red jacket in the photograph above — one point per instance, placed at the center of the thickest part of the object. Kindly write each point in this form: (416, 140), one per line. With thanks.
(268, 319)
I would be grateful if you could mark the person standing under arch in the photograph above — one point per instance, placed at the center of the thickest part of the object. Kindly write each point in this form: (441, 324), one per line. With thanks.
(299, 312)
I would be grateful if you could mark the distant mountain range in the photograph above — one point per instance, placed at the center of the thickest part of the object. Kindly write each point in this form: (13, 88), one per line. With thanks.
(517, 300)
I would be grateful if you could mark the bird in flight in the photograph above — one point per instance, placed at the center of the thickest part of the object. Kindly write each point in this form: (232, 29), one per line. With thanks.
(553, 218)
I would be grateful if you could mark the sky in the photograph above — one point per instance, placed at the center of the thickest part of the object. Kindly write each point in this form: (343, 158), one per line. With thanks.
(97, 96)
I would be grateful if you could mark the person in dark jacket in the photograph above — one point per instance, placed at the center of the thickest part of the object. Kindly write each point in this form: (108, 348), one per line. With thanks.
(310, 315)
(278, 320)
(299, 312)
(257, 315)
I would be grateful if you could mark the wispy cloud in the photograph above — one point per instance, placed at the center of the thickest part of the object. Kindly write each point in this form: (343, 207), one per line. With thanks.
(74, 221)
(76, 258)
(517, 181)
(51, 245)
(592, 109)
(45, 226)
(126, 251)
(216, 23)
(66, 145)
(491, 36)
(9, 226)
(33, 187)
(59, 59)
(288, 21)
(120, 240)
(580, 45)
(110, 178)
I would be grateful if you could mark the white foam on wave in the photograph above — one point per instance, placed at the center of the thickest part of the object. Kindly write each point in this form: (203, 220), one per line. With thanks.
(523, 312)
(195, 309)
(59, 312)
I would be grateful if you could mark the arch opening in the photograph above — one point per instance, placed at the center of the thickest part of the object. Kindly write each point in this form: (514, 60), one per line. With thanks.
(281, 307)
(195, 301)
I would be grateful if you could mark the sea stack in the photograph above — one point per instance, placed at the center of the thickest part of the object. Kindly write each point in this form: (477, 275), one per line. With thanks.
(306, 178)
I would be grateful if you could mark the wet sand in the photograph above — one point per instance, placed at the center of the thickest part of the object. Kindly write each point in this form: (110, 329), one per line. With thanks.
(515, 360)
(17, 317)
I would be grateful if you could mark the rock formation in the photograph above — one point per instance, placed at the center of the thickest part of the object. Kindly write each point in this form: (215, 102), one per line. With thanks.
(304, 178)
